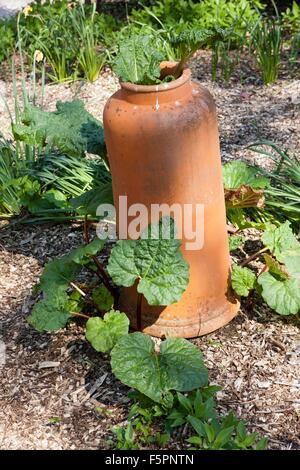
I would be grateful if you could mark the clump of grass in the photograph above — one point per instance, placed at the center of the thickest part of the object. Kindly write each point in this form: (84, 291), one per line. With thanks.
(267, 42)
(90, 60)
(283, 196)
(295, 48)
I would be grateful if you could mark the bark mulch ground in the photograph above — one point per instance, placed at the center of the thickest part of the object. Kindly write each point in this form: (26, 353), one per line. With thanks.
(57, 393)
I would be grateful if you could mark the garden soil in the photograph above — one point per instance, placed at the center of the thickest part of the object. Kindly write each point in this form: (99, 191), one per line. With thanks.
(57, 393)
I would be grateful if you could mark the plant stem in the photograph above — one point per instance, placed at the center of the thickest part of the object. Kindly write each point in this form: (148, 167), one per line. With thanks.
(252, 257)
(86, 231)
(82, 315)
(179, 68)
(78, 289)
(101, 273)
(139, 312)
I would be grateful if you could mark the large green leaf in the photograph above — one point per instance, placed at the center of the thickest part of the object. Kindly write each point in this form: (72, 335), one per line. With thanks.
(281, 285)
(49, 201)
(104, 333)
(178, 366)
(238, 173)
(70, 129)
(58, 274)
(53, 312)
(138, 61)
(283, 296)
(280, 240)
(242, 280)
(50, 314)
(156, 262)
(61, 271)
(82, 254)
(190, 40)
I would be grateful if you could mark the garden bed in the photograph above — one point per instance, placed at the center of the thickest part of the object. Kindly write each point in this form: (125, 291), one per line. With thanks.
(58, 393)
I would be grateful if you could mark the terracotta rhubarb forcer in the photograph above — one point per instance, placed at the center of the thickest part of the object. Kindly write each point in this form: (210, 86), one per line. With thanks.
(163, 147)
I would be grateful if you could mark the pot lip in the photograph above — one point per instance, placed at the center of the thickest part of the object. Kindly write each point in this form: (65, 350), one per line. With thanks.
(185, 77)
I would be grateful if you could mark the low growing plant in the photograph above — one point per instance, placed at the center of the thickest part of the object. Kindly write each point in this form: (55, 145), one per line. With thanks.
(205, 14)
(7, 35)
(71, 35)
(48, 154)
(278, 282)
(170, 381)
(283, 193)
(291, 17)
(196, 412)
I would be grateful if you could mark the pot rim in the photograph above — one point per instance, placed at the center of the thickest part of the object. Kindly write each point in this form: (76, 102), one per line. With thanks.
(184, 77)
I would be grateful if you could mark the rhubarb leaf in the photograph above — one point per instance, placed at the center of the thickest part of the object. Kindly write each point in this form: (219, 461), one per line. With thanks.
(281, 284)
(61, 271)
(70, 129)
(275, 267)
(104, 333)
(244, 197)
(238, 173)
(53, 312)
(242, 280)
(50, 314)
(281, 296)
(190, 40)
(156, 262)
(236, 241)
(138, 61)
(280, 240)
(178, 366)
(88, 202)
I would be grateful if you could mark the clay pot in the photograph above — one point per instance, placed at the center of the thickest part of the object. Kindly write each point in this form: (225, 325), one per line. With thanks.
(163, 147)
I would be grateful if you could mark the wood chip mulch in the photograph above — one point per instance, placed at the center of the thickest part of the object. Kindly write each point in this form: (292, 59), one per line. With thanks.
(57, 393)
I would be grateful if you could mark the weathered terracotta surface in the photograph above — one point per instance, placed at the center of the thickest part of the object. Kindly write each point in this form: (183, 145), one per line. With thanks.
(163, 147)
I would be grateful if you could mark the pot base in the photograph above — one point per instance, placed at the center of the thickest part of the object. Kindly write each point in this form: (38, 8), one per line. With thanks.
(169, 323)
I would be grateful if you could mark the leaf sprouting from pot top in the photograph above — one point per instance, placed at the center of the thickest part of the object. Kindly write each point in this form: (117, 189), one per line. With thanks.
(187, 42)
(104, 333)
(156, 262)
(178, 366)
(138, 61)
